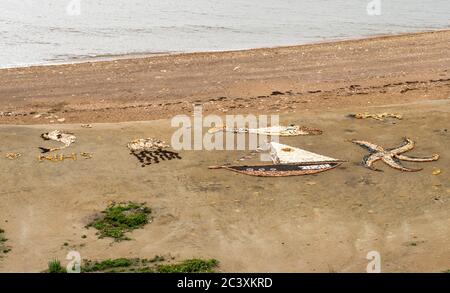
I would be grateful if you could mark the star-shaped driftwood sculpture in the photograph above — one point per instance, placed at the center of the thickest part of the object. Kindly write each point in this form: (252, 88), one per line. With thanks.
(393, 156)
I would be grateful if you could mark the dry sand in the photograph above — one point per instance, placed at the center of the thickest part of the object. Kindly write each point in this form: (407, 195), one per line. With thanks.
(316, 223)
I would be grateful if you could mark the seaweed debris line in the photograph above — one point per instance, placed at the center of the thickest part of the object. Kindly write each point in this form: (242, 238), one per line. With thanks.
(287, 161)
(151, 151)
(67, 138)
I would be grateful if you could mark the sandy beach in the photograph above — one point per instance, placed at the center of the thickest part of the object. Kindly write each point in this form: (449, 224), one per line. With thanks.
(326, 222)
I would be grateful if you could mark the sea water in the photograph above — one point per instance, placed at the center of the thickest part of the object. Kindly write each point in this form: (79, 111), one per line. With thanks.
(52, 31)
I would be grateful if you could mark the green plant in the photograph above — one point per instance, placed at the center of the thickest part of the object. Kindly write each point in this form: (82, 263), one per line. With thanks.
(3, 247)
(54, 266)
(137, 265)
(190, 266)
(120, 218)
(105, 265)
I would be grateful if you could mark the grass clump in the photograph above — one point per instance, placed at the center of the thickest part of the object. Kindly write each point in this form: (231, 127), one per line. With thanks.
(3, 247)
(120, 218)
(55, 267)
(2, 236)
(190, 266)
(106, 265)
(158, 264)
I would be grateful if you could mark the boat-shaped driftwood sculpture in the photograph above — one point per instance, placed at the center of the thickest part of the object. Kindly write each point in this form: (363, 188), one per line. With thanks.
(286, 161)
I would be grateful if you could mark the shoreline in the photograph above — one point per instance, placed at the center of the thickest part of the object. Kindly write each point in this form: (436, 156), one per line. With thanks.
(145, 55)
(314, 77)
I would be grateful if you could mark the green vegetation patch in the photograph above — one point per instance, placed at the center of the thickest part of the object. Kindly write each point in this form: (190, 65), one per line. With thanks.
(107, 265)
(158, 264)
(55, 267)
(190, 266)
(3, 247)
(120, 218)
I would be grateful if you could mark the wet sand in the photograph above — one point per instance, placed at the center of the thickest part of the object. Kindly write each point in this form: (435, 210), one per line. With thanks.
(317, 223)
